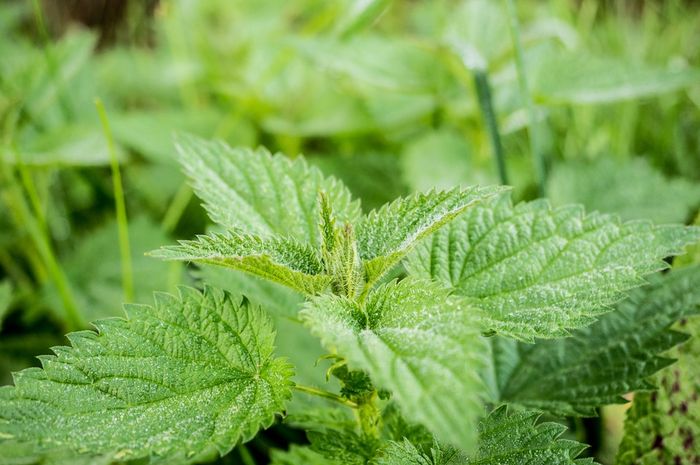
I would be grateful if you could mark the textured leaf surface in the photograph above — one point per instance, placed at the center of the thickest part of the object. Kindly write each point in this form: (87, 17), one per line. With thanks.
(259, 193)
(416, 342)
(284, 261)
(386, 235)
(192, 375)
(505, 439)
(535, 271)
(600, 363)
(633, 189)
(405, 453)
(663, 427)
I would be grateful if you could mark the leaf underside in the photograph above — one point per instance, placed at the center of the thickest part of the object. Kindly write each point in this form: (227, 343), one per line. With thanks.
(536, 271)
(415, 341)
(188, 377)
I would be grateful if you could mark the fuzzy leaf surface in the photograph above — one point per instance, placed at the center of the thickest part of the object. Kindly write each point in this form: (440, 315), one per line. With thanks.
(259, 193)
(600, 363)
(386, 235)
(188, 377)
(416, 341)
(283, 261)
(536, 271)
(505, 438)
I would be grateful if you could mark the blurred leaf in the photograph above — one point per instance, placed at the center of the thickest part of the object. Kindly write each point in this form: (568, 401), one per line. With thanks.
(441, 159)
(476, 30)
(94, 268)
(156, 195)
(359, 14)
(632, 189)
(67, 146)
(150, 133)
(371, 177)
(583, 79)
(394, 64)
(47, 86)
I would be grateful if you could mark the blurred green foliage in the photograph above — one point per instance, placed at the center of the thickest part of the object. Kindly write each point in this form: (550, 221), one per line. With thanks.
(380, 94)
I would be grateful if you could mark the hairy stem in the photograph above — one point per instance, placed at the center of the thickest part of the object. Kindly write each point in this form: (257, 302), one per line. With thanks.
(120, 205)
(325, 394)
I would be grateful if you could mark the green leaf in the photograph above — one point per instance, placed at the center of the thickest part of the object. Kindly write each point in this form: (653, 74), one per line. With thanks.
(386, 235)
(581, 79)
(600, 363)
(68, 145)
(259, 193)
(415, 341)
(443, 159)
(93, 267)
(504, 438)
(536, 271)
(405, 453)
(187, 377)
(356, 16)
(150, 132)
(343, 446)
(510, 437)
(663, 427)
(283, 261)
(633, 189)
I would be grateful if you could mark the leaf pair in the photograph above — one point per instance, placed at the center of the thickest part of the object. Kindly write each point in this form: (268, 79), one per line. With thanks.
(271, 206)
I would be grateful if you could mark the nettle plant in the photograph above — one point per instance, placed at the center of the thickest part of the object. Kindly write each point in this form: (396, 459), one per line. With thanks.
(453, 320)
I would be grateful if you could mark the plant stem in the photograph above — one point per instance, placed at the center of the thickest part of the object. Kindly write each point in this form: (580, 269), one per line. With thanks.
(120, 205)
(24, 219)
(246, 456)
(325, 394)
(176, 208)
(30, 188)
(51, 59)
(533, 124)
(483, 91)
